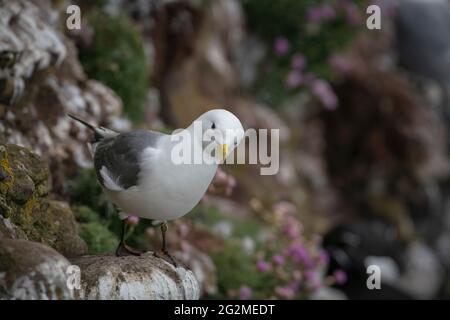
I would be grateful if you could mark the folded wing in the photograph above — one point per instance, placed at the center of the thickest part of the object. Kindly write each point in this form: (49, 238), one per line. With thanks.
(117, 159)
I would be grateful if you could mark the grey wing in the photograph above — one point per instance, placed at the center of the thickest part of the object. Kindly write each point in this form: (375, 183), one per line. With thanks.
(117, 159)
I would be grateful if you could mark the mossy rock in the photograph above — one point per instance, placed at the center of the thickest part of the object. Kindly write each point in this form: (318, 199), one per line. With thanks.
(25, 160)
(25, 206)
(117, 58)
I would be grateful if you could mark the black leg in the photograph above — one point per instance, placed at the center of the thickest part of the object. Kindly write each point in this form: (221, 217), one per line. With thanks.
(164, 248)
(163, 232)
(122, 248)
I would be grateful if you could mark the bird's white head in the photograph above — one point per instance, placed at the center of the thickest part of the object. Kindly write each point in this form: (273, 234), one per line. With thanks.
(222, 129)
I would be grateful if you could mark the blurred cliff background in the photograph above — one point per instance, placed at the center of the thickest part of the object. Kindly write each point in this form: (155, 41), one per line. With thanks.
(364, 119)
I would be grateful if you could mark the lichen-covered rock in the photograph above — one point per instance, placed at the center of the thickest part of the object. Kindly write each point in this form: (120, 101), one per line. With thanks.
(10, 230)
(41, 80)
(134, 278)
(29, 42)
(34, 35)
(26, 211)
(32, 271)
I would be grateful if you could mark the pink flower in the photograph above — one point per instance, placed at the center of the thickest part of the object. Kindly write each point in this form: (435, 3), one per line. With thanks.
(245, 293)
(339, 63)
(313, 279)
(324, 258)
(133, 220)
(297, 275)
(298, 253)
(340, 276)
(352, 12)
(221, 175)
(309, 275)
(284, 208)
(286, 292)
(292, 230)
(327, 12)
(281, 46)
(298, 62)
(309, 78)
(232, 182)
(294, 79)
(262, 266)
(323, 91)
(278, 260)
(183, 230)
(314, 15)
(321, 13)
(388, 8)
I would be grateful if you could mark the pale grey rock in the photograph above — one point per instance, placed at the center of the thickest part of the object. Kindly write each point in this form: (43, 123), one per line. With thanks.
(201, 266)
(424, 273)
(134, 278)
(10, 230)
(31, 37)
(328, 293)
(32, 271)
(389, 269)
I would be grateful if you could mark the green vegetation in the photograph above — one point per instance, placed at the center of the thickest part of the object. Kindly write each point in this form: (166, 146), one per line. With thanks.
(116, 57)
(98, 237)
(99, 225)
(236, 268)
(316, 41)
(86, 191)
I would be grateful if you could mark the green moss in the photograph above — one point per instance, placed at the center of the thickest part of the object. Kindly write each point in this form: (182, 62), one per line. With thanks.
(84, 214)
(5, 210)
(34, 216)
(24, 217)
(42, 190)
(98, 238)
(7, 183)
(27, 212)
(33, 166)
(116, 57)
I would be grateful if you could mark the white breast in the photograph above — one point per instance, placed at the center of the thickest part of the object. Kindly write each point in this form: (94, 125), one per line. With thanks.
(166, 191)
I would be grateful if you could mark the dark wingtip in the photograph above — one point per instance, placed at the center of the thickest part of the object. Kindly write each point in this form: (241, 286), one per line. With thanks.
(81, 121)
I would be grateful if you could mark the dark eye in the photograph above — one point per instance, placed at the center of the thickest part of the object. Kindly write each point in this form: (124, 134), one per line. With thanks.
(213, 126)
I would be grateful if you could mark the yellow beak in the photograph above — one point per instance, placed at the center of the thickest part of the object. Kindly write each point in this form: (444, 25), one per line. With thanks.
(223, 149)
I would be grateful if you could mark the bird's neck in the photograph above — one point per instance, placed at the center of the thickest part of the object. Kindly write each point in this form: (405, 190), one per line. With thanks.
(188, 142)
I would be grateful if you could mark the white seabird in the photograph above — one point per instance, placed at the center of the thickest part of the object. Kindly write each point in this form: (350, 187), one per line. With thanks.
(139, 174)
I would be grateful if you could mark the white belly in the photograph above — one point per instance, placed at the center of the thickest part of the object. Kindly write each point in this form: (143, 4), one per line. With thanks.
(166, 194)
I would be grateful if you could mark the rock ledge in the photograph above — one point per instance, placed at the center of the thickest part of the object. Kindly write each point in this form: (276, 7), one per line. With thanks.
(134, 278)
